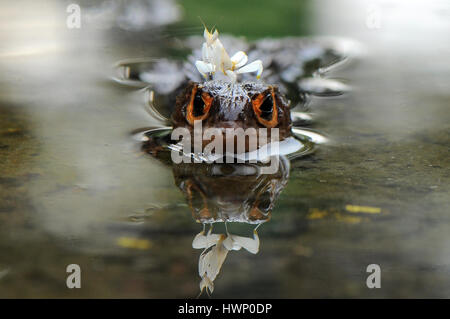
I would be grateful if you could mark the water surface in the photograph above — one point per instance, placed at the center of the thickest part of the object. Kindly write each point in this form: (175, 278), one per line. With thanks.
(75, 187)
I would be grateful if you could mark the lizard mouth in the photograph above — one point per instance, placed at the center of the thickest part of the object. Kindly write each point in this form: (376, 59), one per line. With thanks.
(158, 142)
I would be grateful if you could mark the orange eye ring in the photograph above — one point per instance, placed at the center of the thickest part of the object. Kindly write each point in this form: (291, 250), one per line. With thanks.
(258, 101)
(207, 100)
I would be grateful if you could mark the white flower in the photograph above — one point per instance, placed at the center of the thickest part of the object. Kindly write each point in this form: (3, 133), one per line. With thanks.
(215, 250)
(234, 242)
(216, 59)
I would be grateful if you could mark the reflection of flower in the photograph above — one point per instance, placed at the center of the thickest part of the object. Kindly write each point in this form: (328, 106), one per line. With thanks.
(216, 248)
(215, 58)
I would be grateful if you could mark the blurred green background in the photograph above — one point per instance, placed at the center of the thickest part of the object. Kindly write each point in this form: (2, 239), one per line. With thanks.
(253, 19)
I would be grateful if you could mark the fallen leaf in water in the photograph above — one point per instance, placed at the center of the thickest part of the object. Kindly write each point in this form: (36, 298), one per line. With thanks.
(348, 219)
(134, 243)
(362, 209)
(317, 214)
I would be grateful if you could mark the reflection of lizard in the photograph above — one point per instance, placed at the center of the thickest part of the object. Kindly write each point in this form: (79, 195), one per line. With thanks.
(230, 192)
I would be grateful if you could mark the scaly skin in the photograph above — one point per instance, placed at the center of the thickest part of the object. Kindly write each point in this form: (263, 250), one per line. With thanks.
(232, 107)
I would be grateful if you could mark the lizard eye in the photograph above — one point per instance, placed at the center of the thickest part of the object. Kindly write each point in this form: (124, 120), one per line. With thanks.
(265, 108)
(199, 105)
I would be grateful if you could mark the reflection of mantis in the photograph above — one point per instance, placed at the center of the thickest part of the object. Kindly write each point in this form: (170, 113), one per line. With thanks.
(228, 193)
(215, 250)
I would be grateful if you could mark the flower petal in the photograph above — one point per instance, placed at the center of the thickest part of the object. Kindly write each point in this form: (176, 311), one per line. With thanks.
(215, 35)
(255, 66)
(212, 239)
(199, 241)
(206, 283)
(210, 38)
(205, 52)
(229, 243)
(217, 256)
(250, 244)
(204, 68)
(239, 59)
(231, 75)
